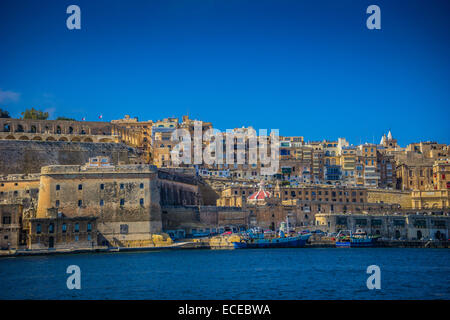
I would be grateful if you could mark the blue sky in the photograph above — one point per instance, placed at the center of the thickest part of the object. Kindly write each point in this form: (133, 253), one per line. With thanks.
(308, 68)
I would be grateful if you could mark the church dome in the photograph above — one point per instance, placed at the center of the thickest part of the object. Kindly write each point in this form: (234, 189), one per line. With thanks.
(261, 194)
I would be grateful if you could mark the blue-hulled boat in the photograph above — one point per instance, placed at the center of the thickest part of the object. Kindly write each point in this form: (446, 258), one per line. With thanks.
(257, 240)
(359, 239)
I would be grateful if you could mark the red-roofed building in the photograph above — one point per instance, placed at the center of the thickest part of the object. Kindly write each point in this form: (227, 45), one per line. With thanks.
(260, 195)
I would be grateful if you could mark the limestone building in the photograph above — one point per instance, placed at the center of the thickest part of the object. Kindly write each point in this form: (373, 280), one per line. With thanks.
(402, 226)
(10, 226)
(124, 199)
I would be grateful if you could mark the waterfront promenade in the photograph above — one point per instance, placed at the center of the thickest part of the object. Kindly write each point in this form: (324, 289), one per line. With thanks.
(205, 244)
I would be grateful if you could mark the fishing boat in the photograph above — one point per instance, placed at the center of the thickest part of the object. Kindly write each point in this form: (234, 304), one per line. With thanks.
(359, 239)
(279, 242)
(255, 238)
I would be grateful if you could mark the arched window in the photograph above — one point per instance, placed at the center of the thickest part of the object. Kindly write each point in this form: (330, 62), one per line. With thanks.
(33, 129)
(6, 127)
(419, 235)
(70, 130)
(51, 228)
(19, 128)
(58, 130)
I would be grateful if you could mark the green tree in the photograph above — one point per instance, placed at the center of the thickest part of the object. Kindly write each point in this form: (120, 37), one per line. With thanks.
(64, 118)
(34, 114)
(4, 114)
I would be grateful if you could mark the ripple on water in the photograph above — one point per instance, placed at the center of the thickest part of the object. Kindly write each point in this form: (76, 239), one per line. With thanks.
(232, 274)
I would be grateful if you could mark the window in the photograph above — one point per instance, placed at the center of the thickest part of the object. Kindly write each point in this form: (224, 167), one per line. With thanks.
(89, 238)
(122, 202)
(102, 186)
(124, 229)
(89, 227)
(77, 238)
(80, 187)
(80, 203)
(376, 222)
(122, 186)
(141, 186)
(101, 203)
(77, 227)
(141, 201)
(38, 228)
(58, 187)
(57, 203)
(6, 220)
(64, 228)
(51, 228)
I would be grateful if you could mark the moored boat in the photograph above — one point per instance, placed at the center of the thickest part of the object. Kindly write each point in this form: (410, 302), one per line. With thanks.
(359, 239)
(258, 238)
(278, 242)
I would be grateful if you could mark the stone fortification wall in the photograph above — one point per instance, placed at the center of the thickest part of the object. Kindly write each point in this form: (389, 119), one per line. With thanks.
(30, 156)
